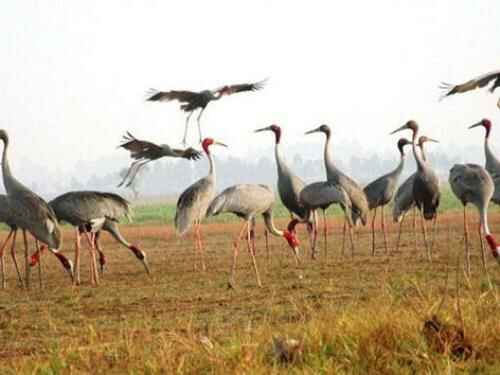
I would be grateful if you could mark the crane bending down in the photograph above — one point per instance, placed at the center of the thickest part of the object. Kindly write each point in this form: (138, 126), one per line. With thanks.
(321, 195)
(90, 212)
(290, 186)
(403, 199)
(191, 101)
(30, 213)
(380, 192)
(472, 84)
(194, 201)
(143, 152)
(248, 201)
(471, 183)
(492, 164)
(333, 174)
(425, 185)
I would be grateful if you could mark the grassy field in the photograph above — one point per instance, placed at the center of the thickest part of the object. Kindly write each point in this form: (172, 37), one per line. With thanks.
(358, 314)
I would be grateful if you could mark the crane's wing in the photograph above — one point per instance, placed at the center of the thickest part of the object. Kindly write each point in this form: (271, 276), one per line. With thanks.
(189, 153)
(228, 90)
(242, 200)
(140, 149)
(478, 82)
(165, 96)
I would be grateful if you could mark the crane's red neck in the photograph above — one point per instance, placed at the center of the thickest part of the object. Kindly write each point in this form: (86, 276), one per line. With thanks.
(277, 132)
(487, 126)
(206, 143)
(493, 246)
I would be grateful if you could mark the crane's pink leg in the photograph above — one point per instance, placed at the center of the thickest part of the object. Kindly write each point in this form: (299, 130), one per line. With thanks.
(200, 246)
(351, 237)
(100, 253)
(236, 244)
(386, 244)
(13, 254)
(415, 229)
(94, 277)
(424, 231)
(252, 254)
(483, 254)
(467, 250)
(39, 263)
(199, 125)
(325, 234)
(268, 256)
(76, 280)
(343, 237)
(252, 234)
(399, 232)
(373, 230)
(2, 258)
(26, 260)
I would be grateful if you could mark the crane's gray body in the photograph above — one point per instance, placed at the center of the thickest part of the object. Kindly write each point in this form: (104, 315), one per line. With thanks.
(492, 165)
(471, 183)
(29, 211)
(193, 203)
(91, 209)
(6, 211)
(245, 201)
(381, 191)
(323, 194)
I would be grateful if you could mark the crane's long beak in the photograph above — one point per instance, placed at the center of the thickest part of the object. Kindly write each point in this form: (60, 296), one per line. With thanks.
(262, 129)
(432, 140)
(476, 124)
(399, 129)
(220, 144)
(312, 131)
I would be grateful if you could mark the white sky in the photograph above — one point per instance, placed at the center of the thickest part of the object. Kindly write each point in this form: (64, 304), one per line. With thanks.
(73, 75)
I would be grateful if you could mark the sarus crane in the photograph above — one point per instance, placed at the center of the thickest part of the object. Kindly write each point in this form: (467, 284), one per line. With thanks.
(31, 213)
(193, 203)
(290, 186)
(425, 185)
(356, 194)
(492, 164)
(472, 84)
(380, 192)
(472, 183)
(247, 201)
(191, 101)
(91, 212)
(403, 199)
(144, 152)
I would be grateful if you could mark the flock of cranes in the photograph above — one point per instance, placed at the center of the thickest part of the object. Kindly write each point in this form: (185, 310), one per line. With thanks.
(91, 212)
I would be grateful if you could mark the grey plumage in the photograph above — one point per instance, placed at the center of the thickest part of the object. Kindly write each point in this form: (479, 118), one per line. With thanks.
(93, 211)
(472, 183)
(354, 191)
(193, 203)
(247, 201)
(472, 84)
(30, 212)
(321, 195)
(492, 164)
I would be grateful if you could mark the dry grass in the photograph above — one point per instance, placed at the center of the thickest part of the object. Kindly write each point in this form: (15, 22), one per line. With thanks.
(352, 315)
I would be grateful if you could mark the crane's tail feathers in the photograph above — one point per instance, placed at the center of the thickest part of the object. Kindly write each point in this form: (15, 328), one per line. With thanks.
(150, 93)
(261, 84)
(447, 89)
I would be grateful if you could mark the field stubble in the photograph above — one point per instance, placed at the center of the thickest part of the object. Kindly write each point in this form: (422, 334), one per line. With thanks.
(361, 314)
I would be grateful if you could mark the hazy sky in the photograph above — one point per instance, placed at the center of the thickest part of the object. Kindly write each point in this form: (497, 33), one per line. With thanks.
(73, 75)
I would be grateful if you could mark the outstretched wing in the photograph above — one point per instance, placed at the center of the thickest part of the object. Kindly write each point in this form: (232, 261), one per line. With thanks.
(140, 149)
(189, 153)
(233, 89)
(478, 82)
(164, 96)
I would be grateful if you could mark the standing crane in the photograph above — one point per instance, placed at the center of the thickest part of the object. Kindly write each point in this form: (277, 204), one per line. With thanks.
(194, 201)
(247, 201)
(290, 186)
(492, 164)
(90, 212)
(403, 199)
(321, 195)
(425, 185)
(144, 152)
(380, 192)
(30, 213)
(356, 194)
(472, 84)
(191, 101)
(472, 183)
